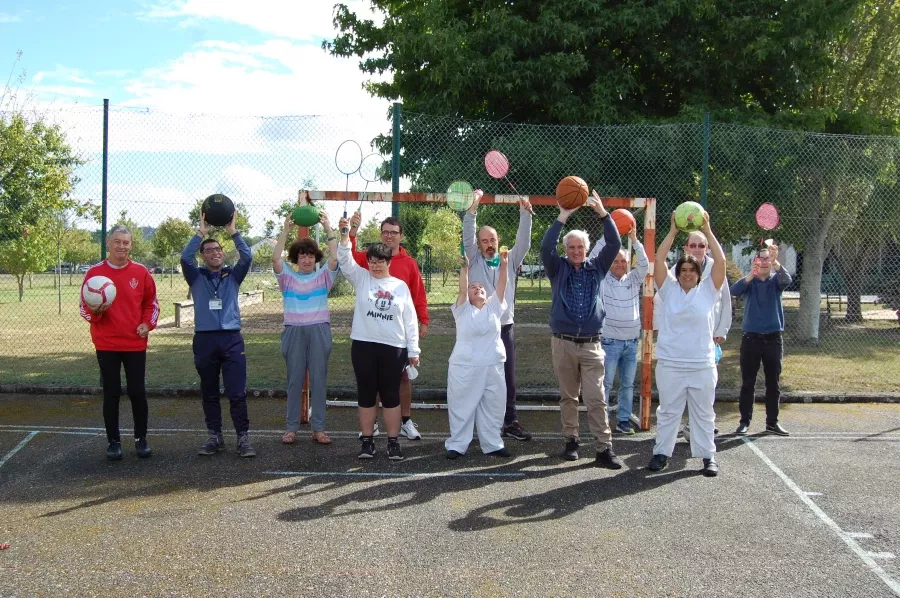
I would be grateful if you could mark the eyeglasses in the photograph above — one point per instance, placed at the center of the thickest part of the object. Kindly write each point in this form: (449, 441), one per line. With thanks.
(763, 259)
(697, 246)
(377, 262)
(390, 233)
(213, 250)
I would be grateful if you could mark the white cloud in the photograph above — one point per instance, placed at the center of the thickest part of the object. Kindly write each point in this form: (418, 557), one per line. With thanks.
(63, 74)
(7, 18)
(298, 20)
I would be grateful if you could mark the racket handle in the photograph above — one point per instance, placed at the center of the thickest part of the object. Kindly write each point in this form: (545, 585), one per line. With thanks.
(345, 229)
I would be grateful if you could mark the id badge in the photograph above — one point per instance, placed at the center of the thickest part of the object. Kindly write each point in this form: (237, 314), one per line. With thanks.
(215, 304)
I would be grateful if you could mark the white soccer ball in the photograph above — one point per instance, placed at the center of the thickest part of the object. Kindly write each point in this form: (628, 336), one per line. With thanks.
(98, 291)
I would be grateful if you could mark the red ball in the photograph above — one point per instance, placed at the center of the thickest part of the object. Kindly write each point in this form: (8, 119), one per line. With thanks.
(571, 192)
(624, 220)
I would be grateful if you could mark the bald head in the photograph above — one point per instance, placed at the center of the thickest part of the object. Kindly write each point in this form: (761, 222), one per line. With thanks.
(696, 245)
(488, 242)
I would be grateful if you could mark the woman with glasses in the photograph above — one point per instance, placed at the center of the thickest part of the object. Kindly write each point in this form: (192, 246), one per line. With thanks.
(685, 350)
(385, 335)
(306, 339)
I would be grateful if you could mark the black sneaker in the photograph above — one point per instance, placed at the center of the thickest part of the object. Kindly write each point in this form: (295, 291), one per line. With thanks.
(608, 459)
(516, 431)
(658, 462)
(114, 451)
(394, 452)
(777, 429)
(451, 454)
(571, 451)
(710, 467)
(213, 444)
(367, 448)
(503, 452)
(142, 448)
(742, 429)
(244, 448)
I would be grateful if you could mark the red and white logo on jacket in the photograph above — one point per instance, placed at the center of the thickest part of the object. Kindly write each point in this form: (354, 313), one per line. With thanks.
(133, 282)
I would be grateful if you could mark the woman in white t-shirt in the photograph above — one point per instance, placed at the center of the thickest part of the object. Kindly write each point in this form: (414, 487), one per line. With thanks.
(385, 336)
(476, 385)
(685, 351)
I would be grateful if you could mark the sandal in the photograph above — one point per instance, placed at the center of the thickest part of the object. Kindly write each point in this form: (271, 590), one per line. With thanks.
(290, 437)
(321, 437)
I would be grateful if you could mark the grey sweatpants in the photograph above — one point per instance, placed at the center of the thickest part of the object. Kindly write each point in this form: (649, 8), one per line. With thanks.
(306, 348)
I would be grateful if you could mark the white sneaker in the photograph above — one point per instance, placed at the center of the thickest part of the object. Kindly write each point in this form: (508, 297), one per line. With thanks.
(375, 431)
(410, 430)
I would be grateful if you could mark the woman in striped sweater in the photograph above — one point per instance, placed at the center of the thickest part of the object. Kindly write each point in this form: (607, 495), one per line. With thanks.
(306, 340)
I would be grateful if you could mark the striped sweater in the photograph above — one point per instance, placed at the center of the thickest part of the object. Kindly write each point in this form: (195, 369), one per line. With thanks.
(305, 295)
(621, 300)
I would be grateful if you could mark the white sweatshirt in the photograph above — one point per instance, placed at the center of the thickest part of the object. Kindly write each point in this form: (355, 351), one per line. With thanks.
(384, 311)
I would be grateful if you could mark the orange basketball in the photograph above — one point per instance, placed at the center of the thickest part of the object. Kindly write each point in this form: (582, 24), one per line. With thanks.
(624, 221)
(571, 192)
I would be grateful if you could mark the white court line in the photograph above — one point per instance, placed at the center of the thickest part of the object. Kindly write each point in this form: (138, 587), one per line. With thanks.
(848, 539)
(374, 474)
(19, 447)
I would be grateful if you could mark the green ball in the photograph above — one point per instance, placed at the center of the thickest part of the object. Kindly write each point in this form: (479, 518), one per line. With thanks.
(689, 217)
(305, 215)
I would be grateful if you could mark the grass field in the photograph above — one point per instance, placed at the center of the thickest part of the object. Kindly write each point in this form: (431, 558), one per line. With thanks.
(38, 345)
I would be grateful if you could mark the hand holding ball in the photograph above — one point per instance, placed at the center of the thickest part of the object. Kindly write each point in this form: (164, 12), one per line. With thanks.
(219, 209)
(97, 292)
(624, 220)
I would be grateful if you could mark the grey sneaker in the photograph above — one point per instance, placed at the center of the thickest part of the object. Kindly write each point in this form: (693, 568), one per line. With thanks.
(244, 448)
(114, 451)
(142, 448)
(213, 444)
(624, 428)
(395, 453)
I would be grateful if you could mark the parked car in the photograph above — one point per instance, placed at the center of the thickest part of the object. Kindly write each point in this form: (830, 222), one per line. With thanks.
(83, 269)
(156, 270)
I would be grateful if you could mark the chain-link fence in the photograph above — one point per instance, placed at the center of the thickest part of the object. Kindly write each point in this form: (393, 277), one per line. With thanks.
(837, 195)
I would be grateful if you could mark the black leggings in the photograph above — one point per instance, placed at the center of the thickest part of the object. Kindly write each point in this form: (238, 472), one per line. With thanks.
(378, 369)
(135, 363)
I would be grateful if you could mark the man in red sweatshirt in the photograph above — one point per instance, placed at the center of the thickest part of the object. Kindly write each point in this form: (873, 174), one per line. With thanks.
(119, 331)
(404, 267)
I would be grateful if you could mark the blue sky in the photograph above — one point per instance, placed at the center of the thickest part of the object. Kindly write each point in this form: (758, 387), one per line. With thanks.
(188, 80)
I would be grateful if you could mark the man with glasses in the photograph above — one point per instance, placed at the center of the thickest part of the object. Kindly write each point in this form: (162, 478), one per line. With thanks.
(218, 344)
(405, 268)
(761, 332)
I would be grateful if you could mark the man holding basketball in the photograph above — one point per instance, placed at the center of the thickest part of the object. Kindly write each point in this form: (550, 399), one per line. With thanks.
(218, 344)
(576, 318)
(119, 331)
(404, 267)
(483, 254)
(761, 332)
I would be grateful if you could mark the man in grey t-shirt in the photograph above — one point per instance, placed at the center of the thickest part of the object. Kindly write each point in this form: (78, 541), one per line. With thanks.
(483, 251)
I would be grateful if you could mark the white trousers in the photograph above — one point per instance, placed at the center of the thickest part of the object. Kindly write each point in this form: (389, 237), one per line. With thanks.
(679, 385)
(475, 396)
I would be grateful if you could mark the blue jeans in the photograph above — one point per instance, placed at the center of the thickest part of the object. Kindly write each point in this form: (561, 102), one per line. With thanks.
(621, 356)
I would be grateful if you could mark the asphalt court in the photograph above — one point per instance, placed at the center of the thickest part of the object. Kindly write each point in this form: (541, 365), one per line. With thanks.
(815, 514)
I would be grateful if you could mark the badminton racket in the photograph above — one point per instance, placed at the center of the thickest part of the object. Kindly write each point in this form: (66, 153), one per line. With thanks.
(348, 159)
(767, 218)
(497, 165)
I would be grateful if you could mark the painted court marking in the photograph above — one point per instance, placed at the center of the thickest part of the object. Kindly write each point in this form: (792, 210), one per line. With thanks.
(848, 539)
(18, 447)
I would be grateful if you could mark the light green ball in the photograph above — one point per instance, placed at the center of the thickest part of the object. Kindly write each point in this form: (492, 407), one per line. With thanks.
(689, 217)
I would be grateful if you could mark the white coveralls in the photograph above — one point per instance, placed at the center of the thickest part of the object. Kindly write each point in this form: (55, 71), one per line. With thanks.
(476, 386)
(686, 366)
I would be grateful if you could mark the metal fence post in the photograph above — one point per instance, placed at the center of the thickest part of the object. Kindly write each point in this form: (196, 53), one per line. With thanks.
(103, 182)
(705, 175)
(395, 158)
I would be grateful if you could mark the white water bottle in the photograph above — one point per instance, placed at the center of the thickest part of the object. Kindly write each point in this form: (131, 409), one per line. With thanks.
(412, 372)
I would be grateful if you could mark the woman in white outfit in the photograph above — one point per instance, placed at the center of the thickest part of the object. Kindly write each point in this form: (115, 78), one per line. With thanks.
(476, 385)
(685, 351)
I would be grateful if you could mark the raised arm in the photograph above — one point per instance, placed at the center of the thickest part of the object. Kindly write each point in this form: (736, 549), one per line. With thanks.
(718, 270)
(463, 295)
(277, 264)
(242, 267)
(503, 278)
(331, 238)
(523, 234)
(643, 264)
(660, 267)
(354, 273)
(469, 230)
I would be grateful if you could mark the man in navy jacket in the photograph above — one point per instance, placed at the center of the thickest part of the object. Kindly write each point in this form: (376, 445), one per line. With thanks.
(218, 344)
(576, 317)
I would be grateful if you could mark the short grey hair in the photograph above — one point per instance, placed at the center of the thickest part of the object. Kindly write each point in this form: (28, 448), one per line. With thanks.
(580, 234)
(119, 228)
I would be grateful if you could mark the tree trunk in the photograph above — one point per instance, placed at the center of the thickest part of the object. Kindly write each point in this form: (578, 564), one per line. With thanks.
(814, 253)
(20, 278)
(30, 280)
(855, 274)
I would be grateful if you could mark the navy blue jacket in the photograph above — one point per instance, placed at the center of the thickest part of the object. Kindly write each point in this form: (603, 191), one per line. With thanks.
(558, 270)
(203, 287)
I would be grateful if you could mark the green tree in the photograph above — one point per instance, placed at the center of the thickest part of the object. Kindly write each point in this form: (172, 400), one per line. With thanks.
(444, 234)
(369, 233)
(33, 251)
(172, 235)
(79, 249)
